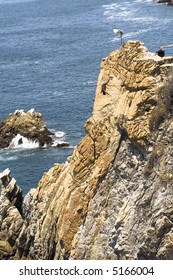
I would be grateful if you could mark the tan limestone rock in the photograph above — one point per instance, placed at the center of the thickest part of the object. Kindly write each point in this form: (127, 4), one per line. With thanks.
(100, 204)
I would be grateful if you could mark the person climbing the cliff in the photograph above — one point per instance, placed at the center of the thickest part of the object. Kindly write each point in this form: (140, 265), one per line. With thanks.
(104, 84)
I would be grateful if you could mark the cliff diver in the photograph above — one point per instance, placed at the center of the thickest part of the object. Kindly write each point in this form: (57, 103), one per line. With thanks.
(104, 84)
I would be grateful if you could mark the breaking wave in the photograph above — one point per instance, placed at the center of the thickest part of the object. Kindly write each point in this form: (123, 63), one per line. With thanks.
(7, 158)
(14, 1)
(21, 147)
(21, 142)
(58, 138)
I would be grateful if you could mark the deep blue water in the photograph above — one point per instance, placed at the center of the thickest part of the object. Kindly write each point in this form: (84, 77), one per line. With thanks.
(50, 54)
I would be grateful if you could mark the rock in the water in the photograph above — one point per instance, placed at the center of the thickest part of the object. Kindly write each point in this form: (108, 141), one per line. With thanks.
(29, 125)
(62, 145)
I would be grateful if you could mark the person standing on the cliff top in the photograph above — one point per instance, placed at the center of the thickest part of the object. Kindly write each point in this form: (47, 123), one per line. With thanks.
(104, 84)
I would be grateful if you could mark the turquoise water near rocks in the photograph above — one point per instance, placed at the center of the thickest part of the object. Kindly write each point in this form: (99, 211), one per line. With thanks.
(50, 54)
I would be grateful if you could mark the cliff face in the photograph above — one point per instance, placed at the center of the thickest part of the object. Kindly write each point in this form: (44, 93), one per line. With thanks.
(113, 197)
(11, 219)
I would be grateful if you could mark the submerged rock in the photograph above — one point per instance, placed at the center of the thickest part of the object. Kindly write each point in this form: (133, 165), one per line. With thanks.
(62, 145)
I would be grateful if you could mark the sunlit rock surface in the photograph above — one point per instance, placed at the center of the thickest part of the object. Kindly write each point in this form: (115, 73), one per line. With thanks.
(113, 198)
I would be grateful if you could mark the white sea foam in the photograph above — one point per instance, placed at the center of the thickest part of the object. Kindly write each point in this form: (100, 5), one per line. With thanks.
(142, 1)
(58, 134)
(89, 83)
(7, 158)
(58, 138)
(133, 34)
(118, 12)
(21, 142)
(125, 12)
(14, 1)
(111, 6)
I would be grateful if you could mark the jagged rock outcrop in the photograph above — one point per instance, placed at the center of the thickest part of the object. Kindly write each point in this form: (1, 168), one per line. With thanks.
(28, 124)
(11, 219)
(113, 197)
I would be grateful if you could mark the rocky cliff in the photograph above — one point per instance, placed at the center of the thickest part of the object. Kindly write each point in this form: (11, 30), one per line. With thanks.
(113, 197)
(11, 219)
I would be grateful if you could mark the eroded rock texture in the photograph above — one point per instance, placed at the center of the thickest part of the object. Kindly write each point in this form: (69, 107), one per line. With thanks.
(113, 198)
(11, 219)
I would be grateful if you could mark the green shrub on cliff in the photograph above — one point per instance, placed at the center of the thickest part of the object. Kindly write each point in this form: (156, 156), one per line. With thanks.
(164, 105)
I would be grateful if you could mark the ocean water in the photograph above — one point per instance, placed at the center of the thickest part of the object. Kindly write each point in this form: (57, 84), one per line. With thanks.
(50, 54)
